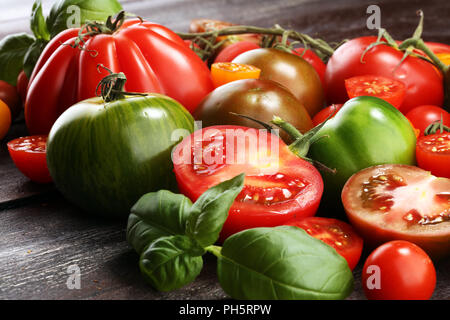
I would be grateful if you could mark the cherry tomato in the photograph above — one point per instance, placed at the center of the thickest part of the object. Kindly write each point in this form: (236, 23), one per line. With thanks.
(423, 82)
(433, 153)
(29, 156)
(400, 202)
(289, 70)
(421, 117)
(398, 270)
(233, 50)
(224, 72)
(336, 233)
(388, 89)
(9, 95)
(313, 60)
(278, 185)
(328, 112)
(152, 57)
(5, 119)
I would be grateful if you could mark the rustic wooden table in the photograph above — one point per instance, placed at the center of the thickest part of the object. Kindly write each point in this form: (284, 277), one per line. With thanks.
(41, 234)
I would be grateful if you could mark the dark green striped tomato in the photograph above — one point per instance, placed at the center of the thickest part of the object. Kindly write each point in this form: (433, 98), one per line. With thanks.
(104, 156)
(367, 131)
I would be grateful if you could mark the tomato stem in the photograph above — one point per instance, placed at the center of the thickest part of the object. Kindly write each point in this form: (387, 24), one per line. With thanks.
(317, 44)
(215, 250)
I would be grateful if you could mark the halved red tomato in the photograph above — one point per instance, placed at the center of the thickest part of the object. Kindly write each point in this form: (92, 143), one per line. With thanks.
(433, 154)
(390, 90)
(400, 202)
(29, 156)
(278, 185)
(335, 233)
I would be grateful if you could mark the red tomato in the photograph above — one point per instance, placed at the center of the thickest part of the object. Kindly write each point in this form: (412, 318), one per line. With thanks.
(335, 233)
(398, 270)
(423, 82)
(323, 114)
(29, 156)
(433, 154)
(313, 60)
(233, 50)
(153, 58)
(9, 95)
(400, 202)
(421, 117)
(388, 89)
(437, 47)
(278, 185)
(22, 85)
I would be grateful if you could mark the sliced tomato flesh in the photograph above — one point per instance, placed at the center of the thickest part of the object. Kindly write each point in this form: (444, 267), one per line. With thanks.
(225, 72)
(390, 90)
(436, 143)
(433, 153)
(278, 185)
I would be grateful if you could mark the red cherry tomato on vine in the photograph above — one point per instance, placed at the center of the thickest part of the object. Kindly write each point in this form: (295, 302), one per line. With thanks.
(423, 82)
(433, 153)
(336, 233)
(328, 112)
(233, 50)
(421, 117)
(29, 156)
(398, 270)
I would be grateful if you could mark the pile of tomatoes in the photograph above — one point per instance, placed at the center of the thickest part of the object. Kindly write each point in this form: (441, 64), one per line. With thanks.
(368, 110)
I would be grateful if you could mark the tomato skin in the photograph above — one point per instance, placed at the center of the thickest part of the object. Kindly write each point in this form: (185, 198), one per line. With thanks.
(5, 119)
(405, 272)
(233, 50)
(422, 116)
(433, 157)
(247, 214)
(423, 83)
(366, 131)
(336, 233)
(29, 156)
(290, 71)
(378, 226)
(323, 114)
(9, 95)
(259, 99)
(314, 60)
(152, 57)
(22, 85)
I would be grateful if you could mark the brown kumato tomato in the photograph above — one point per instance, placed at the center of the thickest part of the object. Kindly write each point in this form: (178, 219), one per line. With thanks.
(259, 99)
(289, 70)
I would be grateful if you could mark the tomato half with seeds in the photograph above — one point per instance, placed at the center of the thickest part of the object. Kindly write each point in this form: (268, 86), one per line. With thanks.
(388, 89)
(400, 202)
(335, 233)
(278, 186)
(433, 154)
(224, 72)
(29, 156)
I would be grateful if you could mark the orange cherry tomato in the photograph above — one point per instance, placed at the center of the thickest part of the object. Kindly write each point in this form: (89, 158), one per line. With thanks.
(5, 119)
(224, 72)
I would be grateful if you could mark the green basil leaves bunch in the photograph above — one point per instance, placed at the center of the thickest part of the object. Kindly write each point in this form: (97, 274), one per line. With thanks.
(171, 234)
(21, 51)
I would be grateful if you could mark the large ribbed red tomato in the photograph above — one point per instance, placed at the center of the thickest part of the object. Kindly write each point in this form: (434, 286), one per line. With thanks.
(153, 58)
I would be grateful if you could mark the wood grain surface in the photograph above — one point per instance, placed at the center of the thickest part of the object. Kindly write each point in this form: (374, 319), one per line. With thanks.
(41, 235)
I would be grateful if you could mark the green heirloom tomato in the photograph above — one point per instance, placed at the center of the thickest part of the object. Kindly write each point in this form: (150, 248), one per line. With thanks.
(103, 156)
(367, 131)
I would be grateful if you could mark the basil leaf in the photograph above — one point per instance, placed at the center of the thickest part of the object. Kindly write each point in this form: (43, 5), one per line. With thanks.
(12, 51)
(281, 263)
(32, 56)
(156, 215)
(209, 212)
(171, 262)
(66, 14)
(37, 22)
